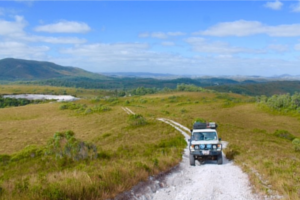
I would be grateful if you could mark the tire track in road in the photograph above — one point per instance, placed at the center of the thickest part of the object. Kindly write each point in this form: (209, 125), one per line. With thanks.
(128, 111)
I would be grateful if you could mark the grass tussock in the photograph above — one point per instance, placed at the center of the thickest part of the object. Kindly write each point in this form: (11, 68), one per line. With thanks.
(136, 120)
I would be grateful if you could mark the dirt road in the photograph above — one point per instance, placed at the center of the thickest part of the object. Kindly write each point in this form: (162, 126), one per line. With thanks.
(208, 181)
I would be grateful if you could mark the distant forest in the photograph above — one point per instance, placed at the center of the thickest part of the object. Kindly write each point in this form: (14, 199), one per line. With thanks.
(134, 85)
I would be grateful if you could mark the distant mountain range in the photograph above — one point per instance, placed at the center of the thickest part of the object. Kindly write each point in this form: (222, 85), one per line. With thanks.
(239, 78)
(141, 75)
(19, 69)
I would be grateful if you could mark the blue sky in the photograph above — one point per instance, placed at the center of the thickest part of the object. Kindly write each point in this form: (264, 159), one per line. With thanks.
(176, 37)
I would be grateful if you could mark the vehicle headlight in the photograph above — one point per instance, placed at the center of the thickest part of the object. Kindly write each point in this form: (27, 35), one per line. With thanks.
(202, 146)
(208, 146)
(196, 147)
(219, 146)
(214, 146)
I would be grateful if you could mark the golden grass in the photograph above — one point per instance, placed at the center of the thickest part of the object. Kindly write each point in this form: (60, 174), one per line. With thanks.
(271, 162)
(133, 153)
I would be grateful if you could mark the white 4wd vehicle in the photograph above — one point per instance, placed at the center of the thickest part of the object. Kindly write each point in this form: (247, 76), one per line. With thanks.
(204, 143)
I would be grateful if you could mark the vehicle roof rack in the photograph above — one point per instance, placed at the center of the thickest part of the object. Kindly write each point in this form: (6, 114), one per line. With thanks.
(205, 125)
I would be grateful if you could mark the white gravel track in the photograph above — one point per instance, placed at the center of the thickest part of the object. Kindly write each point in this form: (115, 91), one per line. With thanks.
(206, 181)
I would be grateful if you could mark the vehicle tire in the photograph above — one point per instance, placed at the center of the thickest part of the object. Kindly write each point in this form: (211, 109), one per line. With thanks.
(192, 160)
(220, 159)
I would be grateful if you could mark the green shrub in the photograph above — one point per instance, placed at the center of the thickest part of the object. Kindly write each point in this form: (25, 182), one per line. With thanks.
(63, 107)
(104, 155)
(183, 110)
(143, 100)
(4, 159)
(136, 120)
(296, 143)
(284, 134)
(65, 146)
(165, 112)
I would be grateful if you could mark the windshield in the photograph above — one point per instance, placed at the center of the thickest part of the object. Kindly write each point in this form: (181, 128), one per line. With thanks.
(204, 136)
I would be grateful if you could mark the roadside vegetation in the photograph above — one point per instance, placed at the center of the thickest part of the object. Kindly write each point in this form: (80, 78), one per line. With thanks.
(124, 149)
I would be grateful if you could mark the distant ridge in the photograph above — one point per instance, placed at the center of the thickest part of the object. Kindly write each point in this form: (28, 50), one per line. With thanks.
(141, 75)
(19, 69)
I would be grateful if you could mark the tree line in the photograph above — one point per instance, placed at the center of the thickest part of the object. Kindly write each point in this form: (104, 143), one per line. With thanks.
(10, 102)
(284, 102)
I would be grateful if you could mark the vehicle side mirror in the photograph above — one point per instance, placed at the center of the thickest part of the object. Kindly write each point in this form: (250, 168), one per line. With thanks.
(220, 139)
(191, 130)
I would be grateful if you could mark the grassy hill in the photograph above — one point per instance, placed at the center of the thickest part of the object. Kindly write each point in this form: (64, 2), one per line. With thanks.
(19, 69)
(128, 154)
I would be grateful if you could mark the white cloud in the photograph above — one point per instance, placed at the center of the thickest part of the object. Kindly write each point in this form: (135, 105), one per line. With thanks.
(297, 47)
(54, 40)
(175, 33)
(105, 57)
(21, 50)
(278, 48)
(144, 35)
(246, 28)
(204, 46)
(14, 31)
(168, 43)
(26, 2)
(12, 28)
(275, 5)
(101, 51)
(64, 27)
(124, 57)
(296, 7)
(7, 11)
(161, 35)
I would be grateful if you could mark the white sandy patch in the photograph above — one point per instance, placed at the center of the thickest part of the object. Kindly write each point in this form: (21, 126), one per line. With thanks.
(42, 97)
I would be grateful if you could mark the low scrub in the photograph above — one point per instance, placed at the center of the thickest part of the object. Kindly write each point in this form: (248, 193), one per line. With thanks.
(136, 120)
(296, 144)
(84, 109)
(284, 134)
(65, 145)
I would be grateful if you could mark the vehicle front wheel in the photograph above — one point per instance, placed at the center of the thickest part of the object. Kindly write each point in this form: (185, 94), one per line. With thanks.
(192, 160)
(220, 160)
